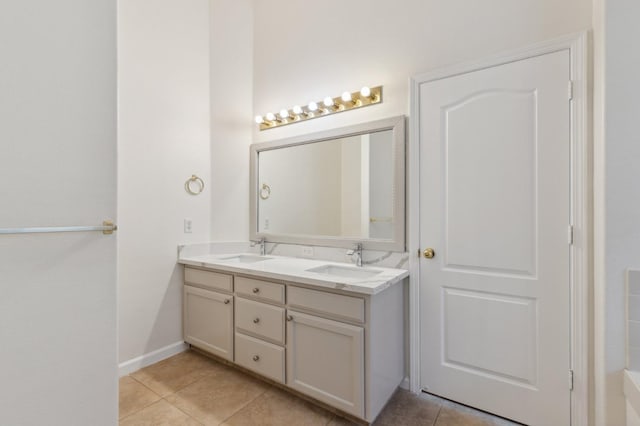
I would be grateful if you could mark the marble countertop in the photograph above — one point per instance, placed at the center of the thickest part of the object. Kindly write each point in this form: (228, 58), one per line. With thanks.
(294, 269)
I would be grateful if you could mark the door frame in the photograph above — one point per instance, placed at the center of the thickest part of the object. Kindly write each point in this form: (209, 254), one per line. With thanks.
(581, 208)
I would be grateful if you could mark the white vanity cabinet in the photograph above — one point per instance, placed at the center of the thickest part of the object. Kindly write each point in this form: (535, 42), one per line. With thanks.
(344, 349)
(325, 360)
(208, 314)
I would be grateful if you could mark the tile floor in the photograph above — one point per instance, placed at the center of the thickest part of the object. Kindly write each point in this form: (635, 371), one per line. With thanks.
(191, 389)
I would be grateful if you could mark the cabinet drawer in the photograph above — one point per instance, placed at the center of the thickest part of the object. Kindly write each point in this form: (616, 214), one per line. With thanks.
(260, 319)
(351, 308)
(260, 289)
(261, 357)
(208, 279)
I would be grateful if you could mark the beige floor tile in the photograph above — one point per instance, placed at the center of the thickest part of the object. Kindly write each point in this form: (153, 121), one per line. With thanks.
(134, 396)
(341, 421)
(457, 417)
(216, 397)
(276, 407)
(175, 373)
(160, 413)
(408, 409)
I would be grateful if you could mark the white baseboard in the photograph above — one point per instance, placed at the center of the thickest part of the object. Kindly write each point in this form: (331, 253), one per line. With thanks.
(145, 360)
(405, 383)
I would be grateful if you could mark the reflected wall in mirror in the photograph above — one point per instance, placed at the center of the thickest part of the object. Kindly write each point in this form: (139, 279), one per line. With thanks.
(332, 188)
(339, 187)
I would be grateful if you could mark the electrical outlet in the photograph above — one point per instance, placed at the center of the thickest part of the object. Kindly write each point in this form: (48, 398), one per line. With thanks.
(307, 251)
(266, 224)
(188, 226)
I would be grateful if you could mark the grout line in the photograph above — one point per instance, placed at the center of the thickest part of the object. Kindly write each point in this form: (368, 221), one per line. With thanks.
(247, 404)
(435, 421)
(137, 411)
(182, 411)
(174, 391)
(147, 387)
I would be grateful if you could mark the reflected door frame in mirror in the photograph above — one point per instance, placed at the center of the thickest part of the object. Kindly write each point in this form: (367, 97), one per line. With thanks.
(257, 192)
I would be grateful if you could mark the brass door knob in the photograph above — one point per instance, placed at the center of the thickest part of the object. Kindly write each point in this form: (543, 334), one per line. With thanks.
(256, 290)
(256, 358)
(227, 301)
(429, 253)
(256, 320)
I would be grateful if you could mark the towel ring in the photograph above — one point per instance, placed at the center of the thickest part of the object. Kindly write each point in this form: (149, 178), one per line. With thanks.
(189, 189)
(265, 191)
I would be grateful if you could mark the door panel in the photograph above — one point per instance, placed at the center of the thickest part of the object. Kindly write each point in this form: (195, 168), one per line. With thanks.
(490, 143)
(495, 205)
(58, 361)
(502, 350)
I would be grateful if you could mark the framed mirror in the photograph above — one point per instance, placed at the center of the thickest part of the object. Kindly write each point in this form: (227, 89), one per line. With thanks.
(333, 188)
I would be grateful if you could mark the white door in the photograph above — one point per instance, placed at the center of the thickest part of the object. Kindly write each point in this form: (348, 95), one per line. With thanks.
(58, 361)
(495, 208)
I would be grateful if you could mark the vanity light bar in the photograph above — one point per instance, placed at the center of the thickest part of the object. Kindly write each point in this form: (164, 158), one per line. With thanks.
(347, 101)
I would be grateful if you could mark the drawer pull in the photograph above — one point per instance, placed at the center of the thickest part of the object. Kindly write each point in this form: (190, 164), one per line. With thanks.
(256, 290)
(289, 317)
(227, 301)
(256, 320)
(256, 358)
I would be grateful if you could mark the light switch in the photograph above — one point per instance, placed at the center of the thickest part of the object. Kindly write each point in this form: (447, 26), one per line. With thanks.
(188, 226)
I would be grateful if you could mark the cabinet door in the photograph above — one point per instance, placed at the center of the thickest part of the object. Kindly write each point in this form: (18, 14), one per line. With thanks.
(325, 360)
(208, 321)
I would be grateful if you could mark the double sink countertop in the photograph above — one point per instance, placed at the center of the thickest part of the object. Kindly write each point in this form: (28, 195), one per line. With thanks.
(340, 276)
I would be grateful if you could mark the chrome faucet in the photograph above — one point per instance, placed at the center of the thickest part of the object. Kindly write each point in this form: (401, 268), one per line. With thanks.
(356, 254)
(263, 245)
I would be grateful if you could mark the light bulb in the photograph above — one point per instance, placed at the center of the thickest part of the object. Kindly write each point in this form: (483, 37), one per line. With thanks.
(328, 101)
(270, 116)
(365, 92)
(313, 106)
(259, 119)
(297, 110)
(346, 97)
(284, 114)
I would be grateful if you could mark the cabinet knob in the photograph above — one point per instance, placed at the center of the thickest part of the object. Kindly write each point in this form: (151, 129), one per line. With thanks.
(256, 320)
(227, 301)
(256, 358)
(289, 318)
(256, 290)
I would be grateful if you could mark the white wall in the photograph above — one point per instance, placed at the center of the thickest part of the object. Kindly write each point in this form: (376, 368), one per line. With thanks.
(163, 138)
(231, 117)
(307, 50)
(618, 176)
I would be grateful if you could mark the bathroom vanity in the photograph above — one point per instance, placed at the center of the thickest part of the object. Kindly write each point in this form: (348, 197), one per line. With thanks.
(331, 331)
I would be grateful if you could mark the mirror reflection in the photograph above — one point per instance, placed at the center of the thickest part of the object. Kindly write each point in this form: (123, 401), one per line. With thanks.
(340, 187)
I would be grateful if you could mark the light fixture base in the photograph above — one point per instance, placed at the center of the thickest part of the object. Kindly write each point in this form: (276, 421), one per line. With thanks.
(357, 101)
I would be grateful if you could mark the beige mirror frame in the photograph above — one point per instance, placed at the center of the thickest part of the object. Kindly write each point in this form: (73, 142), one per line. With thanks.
(397, 126)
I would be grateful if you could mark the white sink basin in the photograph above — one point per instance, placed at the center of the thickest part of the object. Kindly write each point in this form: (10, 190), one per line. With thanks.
(245, 258)
(344, 271)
